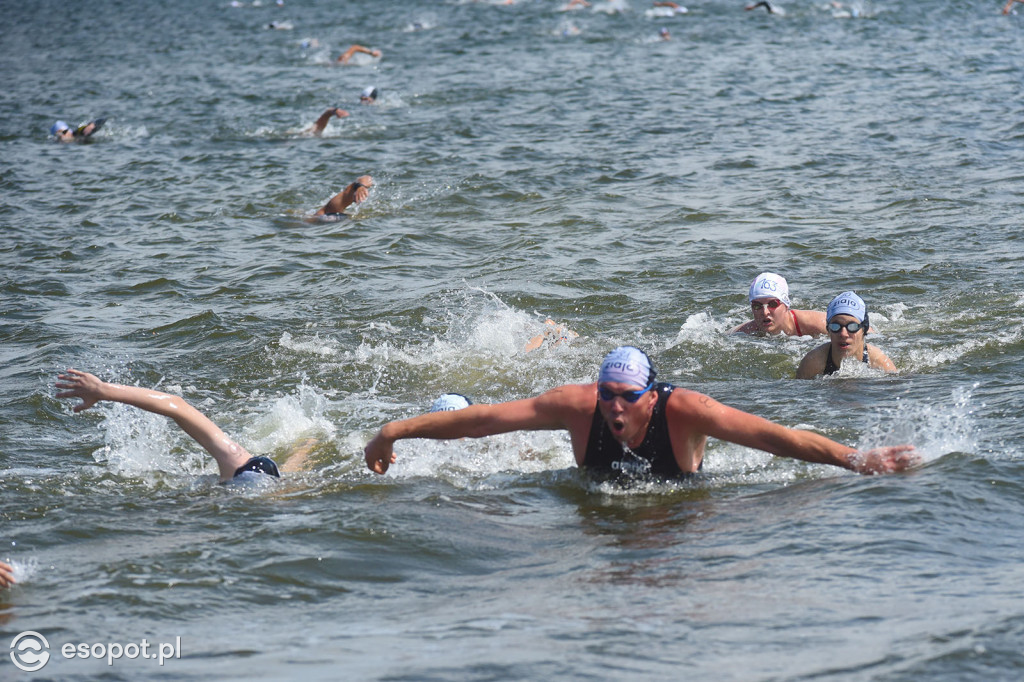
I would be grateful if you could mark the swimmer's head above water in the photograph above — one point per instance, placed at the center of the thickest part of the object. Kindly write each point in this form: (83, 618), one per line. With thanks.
(848, 303)
(769, 285)
(369, 94)
(259, 465)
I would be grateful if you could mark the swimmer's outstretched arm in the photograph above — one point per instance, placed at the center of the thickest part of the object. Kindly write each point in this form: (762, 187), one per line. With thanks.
(6, 575)
(704, 415)
(354, 193)
(347, 54)
(321, 123)
(566, 407)
(228, 454)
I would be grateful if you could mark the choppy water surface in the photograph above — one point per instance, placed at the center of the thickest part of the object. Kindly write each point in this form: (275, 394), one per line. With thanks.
(530, 163)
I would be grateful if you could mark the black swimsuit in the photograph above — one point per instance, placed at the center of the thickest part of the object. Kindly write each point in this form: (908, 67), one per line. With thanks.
(653, 457)
(832, 368)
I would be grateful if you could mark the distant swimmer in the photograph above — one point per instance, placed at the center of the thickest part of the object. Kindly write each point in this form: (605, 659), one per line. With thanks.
(847, 328)
(573, 5)
(627, 424)
(369, 95)
(665, 9)
(449, 402)
(355, 193)
(769, 300)
(553, 335)
(232, 459)
(841, 11)
(611, 7)
(321, 123)
(663, 34)
(64, 133)
(1008, 7)
(281, 26)
(6, 575)
(347, 55)
(772, 9)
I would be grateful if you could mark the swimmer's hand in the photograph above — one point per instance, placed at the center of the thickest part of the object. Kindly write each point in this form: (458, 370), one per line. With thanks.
(360, 189)
(76, 384)
(885, 460)
(379, 454)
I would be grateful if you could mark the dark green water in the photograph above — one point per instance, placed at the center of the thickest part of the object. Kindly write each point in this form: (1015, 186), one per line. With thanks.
(626, 187)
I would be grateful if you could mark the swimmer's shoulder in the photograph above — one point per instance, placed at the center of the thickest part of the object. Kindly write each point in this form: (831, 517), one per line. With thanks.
(749, 327)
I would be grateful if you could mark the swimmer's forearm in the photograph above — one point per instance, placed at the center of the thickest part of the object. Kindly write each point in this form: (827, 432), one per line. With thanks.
(434, 425)
(475, 421)
(810, 447)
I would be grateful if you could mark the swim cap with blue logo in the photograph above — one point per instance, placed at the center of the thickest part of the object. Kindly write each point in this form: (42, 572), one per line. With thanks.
(847, 303)
(770, 285)
(59, 126)
(627, 365)
(450, 402)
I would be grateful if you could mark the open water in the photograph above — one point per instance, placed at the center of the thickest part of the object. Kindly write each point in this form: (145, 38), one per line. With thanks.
(530, 163)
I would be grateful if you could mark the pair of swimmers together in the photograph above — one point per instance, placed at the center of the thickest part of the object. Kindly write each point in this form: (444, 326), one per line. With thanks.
(845, 322)
(620, 422)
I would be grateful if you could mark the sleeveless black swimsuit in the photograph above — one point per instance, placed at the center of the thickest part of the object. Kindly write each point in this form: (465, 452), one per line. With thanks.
(653, 457)
(832, 368)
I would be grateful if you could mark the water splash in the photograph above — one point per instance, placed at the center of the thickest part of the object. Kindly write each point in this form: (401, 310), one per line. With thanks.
(23, 570)
(935, 428)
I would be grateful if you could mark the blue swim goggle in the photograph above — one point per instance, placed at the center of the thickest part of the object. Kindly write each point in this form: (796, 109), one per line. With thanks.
(629, 396)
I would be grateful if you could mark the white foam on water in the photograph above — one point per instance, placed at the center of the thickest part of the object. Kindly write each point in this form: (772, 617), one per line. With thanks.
(23, 570)
(137, 442)
(314, 345)
(935, 428)
(288, 418)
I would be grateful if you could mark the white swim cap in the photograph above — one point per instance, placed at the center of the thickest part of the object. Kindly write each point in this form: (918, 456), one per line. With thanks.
(369, 92)
(627, 365)
(449, 402)
(59, 126)
(847, 303)
(770, 285)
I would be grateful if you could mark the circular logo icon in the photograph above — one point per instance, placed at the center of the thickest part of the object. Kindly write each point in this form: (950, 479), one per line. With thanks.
(29, 651)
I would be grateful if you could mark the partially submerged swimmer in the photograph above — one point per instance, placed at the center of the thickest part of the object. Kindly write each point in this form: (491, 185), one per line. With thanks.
(64, 133)
(769, 301)
(232, 459)
(553, 335)
(369, 94)
(772, 9)
(355, 193)
(674, 7)
(847, 329)
(449, 402)
(321, 123)
(627, 422)
(347, 55)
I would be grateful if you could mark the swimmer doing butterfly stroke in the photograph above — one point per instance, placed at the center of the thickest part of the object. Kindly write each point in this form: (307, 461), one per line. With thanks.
(626, 423)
